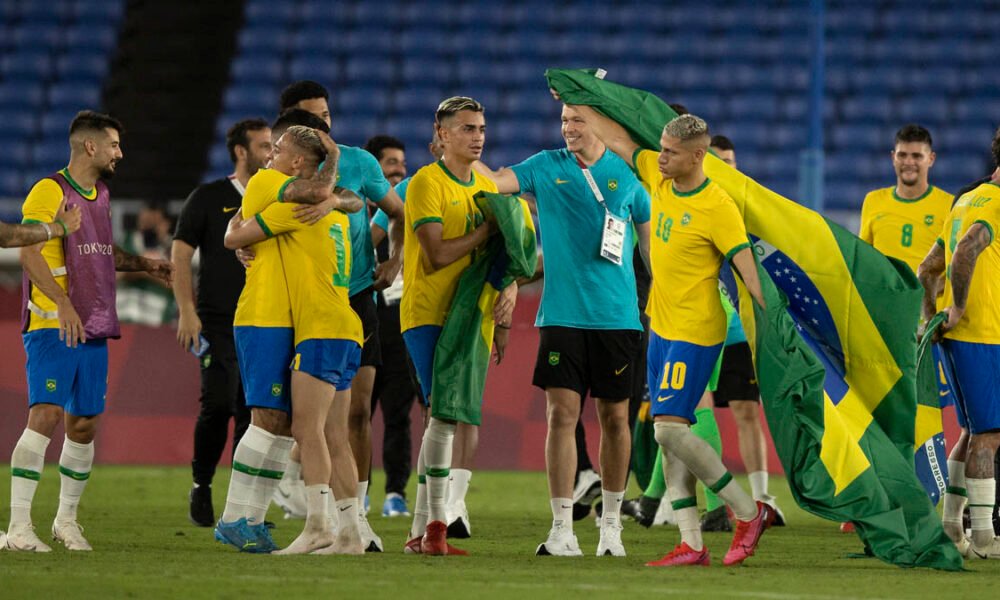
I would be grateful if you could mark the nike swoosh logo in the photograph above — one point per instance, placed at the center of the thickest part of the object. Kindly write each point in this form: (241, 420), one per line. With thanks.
(226, 209)
(561, 181)
(345, 508)
(564, 506)
(753, 382)
(284, 493)
(664, 398)
(621, 370)
(943, 394)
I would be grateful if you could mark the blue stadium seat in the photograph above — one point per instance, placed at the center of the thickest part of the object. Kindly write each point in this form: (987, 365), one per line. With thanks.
(97, 40)
(12, 183)
(73, 96)
(28, 95)
(317, 68)
(258, 69)
(356, 99)
(81, 68)
(372, 69)
(26, 66)
(251, 99)
(38, 35)
(20, 122)
(54, 124)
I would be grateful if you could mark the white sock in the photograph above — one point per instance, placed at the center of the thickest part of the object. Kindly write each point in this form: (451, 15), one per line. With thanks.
(562, 512)
(317, 505)
(26, 464)
(248, 459)
(75, 464)
(293, 472)
(955, 497)
(347, 514)
(271, 472)
(612, 507)
(982, 497)
(758, 485)
(437, 460)
(331, 509)
(458, 485)
(362, 491)
(420, 508)
(680, 488)
(706, 465)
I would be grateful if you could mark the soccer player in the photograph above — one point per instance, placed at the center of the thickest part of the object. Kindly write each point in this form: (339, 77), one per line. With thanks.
(966, 259)
(903, 221)
(264, 336)
(328, 336)
(202, 226)
(697, 227)
(588, 203)
(447, 228)
(66, 327)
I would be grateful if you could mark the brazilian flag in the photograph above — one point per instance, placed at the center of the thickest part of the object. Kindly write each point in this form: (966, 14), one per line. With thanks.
(462, 354)
(835, 350)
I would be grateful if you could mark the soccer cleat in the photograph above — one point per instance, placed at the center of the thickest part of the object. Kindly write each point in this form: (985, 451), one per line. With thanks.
(991, 551)
(200, 510)
(264, 542)
(435, 541)
(716, 520)
(309, 542)
(458, 521)
(648, 508)
(683, 556)
(964, 546)
(747, 535)
(561, 542)
(344, 543)
(580, 511)
(847, 527)
(611, 541)
(395, 506)
(237, 534)
(630, 508)
(71, 535)
(370, 541)
(779, 517)
(588, 488)
(22, 538)
(291, 497)
(412, 546)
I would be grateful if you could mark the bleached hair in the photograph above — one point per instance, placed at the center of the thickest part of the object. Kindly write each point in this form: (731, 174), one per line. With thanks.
(307, 140)
(686, 127)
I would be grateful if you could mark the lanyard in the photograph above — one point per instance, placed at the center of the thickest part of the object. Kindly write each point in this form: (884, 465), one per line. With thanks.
(236, 184)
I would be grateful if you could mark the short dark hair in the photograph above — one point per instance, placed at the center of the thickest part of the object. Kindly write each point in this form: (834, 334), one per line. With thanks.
(377, 144)
(995, 147)
(722, 143)
(914, 133)
(89, 120)
(679, 108)
(297, 116)
(302, 90)
(454, 105)
(237, 135)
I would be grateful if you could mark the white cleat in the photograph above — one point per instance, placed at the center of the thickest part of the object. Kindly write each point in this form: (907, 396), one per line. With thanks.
(22, 538)
(309, 542)
(71, 535)
(561, 542)
(588, 487)
(964, 546)
(611, 541)
(458, 521)
(370, 541)
(990, 551)
(290, 495)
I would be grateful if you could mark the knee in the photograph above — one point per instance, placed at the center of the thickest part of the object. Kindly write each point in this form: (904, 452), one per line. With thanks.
(359, 417)
(561, 416)
(745, 413)
(43, 418)
(81, 429)
(272, 421)
(667, 433)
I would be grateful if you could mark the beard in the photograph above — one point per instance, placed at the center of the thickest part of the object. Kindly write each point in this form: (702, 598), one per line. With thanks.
(254, 165)
(107, 172)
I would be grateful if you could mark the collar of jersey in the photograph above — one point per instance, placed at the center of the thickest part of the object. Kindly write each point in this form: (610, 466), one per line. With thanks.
(701, 187)
(895, 196)
(88, 194)
(469, 183)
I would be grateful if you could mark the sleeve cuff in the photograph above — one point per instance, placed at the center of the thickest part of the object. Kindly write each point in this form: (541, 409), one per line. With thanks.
(281, 190)
(940, 242)
(988, 228)
(263, 225)
(425, 221)
(734, 251)
(30, 221)
(635, 160)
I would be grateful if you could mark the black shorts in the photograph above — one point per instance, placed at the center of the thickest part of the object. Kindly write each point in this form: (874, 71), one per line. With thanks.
(363, 303)
(601, 361)
(737, 379)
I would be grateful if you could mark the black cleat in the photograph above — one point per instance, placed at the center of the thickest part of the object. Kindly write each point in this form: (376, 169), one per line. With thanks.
(716, 520)
(201, 511)
(630, 508)
(580, 511)
(647, 511)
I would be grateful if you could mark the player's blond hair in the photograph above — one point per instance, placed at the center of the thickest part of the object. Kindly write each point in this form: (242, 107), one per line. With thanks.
(686, 128)
(307, 140)
(454, 105)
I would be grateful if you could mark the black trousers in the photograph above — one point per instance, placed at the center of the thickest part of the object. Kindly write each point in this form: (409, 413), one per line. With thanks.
(395, 389)
(221, 400)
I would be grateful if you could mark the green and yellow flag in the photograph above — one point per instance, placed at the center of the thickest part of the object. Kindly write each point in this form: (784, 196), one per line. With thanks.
(462, 354)
(835, 350)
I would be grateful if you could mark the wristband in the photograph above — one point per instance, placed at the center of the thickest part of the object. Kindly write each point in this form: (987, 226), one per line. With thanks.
(48, 231)
(63, 225)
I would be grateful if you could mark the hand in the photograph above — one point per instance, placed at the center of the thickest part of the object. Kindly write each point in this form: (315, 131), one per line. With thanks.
(70, 217)
(954, 316)
(501, 337)
(245, 256)
(188, 329)
(313, 213)
(503, 306)
(386, 272)
(332, 150)
(70, 326)
(555, 94)
(161, 269)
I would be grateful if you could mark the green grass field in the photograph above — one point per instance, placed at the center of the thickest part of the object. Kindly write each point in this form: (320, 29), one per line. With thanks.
(135, 517)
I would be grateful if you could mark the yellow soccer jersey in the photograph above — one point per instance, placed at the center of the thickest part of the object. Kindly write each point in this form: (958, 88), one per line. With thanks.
(40, 207)
(981, 321)
(317, 265)
(904, 229)
(264, 300)
(693, 232)
(436, 196)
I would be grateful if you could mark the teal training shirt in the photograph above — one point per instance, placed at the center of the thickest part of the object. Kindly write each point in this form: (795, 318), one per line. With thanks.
(359, 172)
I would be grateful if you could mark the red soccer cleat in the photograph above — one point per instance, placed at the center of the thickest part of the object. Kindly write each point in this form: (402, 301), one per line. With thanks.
(847, 527)
(435, 541)
(413, 546)
(748, 535)
(682, 556)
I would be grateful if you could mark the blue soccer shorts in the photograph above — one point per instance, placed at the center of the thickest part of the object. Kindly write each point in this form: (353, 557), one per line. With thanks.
(420, 343)
(334, 361)
(75, 379)
(678, 374)
(264, 354)
(973, 370)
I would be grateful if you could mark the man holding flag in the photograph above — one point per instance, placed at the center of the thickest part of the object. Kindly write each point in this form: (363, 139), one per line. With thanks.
(697, 226)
